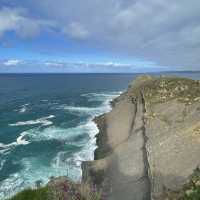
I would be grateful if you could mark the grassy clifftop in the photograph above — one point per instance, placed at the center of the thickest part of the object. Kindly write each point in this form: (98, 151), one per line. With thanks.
(162, 89)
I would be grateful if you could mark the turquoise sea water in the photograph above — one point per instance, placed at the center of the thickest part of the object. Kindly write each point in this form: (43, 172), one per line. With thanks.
(46, 126)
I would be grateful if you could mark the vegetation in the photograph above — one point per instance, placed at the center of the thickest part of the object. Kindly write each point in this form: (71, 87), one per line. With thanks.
(165, 88)
(32, 194)
(190, 191)
(158, 90)
(60, 190)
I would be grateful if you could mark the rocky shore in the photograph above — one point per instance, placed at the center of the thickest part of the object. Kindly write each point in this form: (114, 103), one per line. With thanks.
(149, 144)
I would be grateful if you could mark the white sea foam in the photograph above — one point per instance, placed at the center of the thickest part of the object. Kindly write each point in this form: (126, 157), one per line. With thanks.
(30, 174)
(43, 121)
(105, 98)
(6, 146)
(79, 109)
(44, 100)
(19, 141)
(101, 96)
(4, 151)
(87, 152)
(62, 134)
(2, 163)
(61, 164)
(73, 163)
(23, 109)
(9, 186)
(90, 128)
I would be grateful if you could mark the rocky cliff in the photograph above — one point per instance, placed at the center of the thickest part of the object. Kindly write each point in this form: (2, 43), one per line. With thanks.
(150, 142)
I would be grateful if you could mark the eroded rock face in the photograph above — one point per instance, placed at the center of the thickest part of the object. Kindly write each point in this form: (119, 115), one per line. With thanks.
(151, 140)
(173, 142)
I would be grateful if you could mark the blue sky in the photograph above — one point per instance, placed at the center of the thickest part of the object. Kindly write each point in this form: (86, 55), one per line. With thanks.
(99, 35)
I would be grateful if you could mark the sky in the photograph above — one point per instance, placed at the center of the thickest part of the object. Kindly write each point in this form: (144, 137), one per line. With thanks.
(99, 35)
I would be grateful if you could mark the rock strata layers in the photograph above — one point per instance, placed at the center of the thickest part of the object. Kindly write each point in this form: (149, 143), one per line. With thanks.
(149, 142)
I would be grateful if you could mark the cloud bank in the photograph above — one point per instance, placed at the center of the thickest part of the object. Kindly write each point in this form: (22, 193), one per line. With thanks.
(166, 32)
(28, 66)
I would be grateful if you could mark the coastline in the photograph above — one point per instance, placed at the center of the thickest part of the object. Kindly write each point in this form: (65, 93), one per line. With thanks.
(105, 167)
(102, 148)
(148, 145)
(128, 152)
(101, 137)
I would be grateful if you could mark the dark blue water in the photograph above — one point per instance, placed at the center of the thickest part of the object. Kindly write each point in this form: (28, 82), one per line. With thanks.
(46, 126)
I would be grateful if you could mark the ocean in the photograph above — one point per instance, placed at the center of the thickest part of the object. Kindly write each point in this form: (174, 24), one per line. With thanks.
(46, 127)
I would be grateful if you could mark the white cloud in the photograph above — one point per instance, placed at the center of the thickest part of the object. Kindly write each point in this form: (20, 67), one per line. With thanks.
(14, 19)
(12, 62)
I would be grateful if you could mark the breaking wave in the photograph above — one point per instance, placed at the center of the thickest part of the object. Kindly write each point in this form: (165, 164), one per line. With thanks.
(19, 141)
(43, 121)
(104, 98)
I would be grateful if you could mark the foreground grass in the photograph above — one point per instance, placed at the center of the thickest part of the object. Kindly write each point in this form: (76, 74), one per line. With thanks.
(60, 190)
(66, 190)
(33, 194)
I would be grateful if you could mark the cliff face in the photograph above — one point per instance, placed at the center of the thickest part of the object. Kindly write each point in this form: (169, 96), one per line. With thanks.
(149, 142)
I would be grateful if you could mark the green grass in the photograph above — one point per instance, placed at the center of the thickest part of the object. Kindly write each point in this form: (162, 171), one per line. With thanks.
(32, 194)
(194, 195)
(192, 189)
